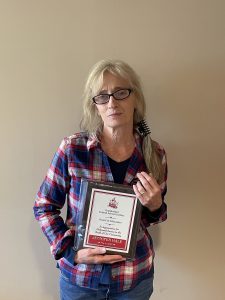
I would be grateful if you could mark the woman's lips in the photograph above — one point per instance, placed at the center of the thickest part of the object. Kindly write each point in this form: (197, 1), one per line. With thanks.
(114, 114)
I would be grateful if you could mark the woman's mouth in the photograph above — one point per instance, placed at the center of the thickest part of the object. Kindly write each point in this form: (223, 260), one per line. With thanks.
(114, 114)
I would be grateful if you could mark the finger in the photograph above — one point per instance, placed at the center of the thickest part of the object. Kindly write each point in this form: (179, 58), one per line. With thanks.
(115, 261)
(154, 184)
(96, 256)
(150, 178)
(86, 255)
(140, 188)
(96, 251)
(106, 259)
(145, 183)
(138, 194)
(110, 259)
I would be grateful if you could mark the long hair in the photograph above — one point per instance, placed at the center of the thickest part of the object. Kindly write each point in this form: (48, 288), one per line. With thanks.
(92, 122)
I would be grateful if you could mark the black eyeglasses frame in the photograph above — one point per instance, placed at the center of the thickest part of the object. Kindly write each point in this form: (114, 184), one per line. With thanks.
(112, 94)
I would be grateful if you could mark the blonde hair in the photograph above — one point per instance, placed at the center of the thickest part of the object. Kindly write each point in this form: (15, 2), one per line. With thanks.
(92, 122)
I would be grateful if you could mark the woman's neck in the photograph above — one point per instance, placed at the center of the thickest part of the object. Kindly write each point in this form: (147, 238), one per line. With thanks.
(118, 137)
(118, 144)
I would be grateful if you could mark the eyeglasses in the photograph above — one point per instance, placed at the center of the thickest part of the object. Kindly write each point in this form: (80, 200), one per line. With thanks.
(118, 95)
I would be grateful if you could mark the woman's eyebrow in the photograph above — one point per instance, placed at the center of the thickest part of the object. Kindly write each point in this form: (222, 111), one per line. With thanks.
(114, 89)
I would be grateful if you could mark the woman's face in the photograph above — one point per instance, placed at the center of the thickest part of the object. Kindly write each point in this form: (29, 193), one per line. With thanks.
(116, 113)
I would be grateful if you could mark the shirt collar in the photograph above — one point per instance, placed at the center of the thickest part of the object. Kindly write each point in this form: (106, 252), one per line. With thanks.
(94, 141)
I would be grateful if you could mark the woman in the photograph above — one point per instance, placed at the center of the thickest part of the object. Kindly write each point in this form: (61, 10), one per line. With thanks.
(115, 146)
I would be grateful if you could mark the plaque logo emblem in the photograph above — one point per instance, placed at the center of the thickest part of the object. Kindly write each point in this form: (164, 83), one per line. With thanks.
(113, 203)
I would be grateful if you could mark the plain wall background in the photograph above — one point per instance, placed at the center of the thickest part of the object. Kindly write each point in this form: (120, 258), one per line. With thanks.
(178, 49)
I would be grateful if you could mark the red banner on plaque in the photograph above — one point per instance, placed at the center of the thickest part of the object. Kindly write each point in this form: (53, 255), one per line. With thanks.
(107, 242)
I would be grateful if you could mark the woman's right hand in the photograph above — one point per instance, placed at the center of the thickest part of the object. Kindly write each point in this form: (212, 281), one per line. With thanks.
(96, 256)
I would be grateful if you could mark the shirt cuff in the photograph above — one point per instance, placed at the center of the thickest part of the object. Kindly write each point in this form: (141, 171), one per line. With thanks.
(69, 255)
(154, 215)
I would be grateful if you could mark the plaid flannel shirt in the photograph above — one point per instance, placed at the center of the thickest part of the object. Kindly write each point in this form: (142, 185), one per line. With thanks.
(80, 156)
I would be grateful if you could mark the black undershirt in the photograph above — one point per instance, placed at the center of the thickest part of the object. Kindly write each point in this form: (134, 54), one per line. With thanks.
(118, 169)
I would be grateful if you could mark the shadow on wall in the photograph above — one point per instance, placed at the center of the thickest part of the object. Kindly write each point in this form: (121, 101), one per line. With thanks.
(46, 264)
(156, 235)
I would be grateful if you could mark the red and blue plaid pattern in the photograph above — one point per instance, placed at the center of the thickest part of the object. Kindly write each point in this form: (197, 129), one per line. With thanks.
(80, 156)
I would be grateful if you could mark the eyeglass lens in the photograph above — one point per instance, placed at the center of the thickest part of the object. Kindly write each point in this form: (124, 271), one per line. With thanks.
(118, 95)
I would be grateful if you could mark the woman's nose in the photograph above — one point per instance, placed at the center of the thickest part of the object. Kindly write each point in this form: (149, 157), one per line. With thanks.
(112, 102)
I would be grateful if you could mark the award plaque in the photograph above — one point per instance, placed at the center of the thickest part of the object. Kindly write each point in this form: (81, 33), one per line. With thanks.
(109, 216)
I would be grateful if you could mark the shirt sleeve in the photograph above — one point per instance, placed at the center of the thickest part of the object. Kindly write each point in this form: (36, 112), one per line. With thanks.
(49, 201)
(151, 218)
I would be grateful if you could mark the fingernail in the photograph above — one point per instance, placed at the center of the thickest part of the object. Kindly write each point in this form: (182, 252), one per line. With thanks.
(102, 250)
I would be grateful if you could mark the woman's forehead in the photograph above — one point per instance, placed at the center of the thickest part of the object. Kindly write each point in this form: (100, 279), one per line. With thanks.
(100, 83)
(113, 81)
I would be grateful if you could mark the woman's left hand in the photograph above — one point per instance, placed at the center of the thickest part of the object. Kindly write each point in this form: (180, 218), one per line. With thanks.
(148, 191)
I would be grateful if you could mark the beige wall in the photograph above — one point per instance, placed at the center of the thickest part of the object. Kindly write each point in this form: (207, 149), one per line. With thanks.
(178, 48)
